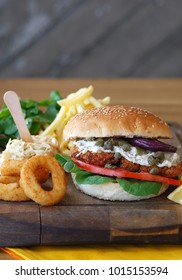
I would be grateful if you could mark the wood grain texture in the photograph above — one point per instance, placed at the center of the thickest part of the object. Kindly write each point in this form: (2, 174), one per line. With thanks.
(19, 224)
(146, 223)
(75, 224)
(82, 38)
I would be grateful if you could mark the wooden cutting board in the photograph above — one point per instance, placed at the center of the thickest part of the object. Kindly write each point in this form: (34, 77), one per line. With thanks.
(81, 219)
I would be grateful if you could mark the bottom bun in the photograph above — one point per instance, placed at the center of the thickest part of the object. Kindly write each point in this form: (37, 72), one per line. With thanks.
(112, 191)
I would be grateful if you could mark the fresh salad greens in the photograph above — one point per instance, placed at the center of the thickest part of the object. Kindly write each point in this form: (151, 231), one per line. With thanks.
(142, 189)
(37, 114)
(132, 186)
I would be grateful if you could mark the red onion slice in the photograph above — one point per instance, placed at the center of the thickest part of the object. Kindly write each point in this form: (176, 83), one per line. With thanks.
(152, 145)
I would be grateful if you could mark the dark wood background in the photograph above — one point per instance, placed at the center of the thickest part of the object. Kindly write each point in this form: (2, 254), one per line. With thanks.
(96, 38)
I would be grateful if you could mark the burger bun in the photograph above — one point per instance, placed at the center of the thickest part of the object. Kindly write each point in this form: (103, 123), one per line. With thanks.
(112, 191)
(111, 121)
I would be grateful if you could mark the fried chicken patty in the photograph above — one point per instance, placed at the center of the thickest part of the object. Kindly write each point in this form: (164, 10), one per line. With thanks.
(102, 159)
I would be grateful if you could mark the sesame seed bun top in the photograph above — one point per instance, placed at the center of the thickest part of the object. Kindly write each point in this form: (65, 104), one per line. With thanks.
(110, 121)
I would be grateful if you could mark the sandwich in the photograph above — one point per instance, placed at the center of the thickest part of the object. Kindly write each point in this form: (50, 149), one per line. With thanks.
(121, 153)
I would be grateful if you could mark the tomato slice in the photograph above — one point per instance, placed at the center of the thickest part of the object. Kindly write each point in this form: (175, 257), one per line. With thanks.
(122, 173)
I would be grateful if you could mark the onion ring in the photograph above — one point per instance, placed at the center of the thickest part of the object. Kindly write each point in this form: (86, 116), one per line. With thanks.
(12, 167)
(12, 192)
(31, 185)
(9, 179)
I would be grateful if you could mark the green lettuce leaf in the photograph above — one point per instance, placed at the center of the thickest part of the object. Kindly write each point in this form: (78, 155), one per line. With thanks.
(67, 163)
(83, 177)
(139, 187)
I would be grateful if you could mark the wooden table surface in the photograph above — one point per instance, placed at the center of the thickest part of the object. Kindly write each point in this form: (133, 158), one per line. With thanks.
(161, 96)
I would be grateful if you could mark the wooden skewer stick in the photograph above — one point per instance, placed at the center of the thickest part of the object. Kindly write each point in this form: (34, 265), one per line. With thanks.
(11, 99)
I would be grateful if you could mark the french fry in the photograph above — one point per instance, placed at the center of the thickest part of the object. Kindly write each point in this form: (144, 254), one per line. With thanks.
(77, 97)
(86, 101)
(80, 108)
(95, 102)
(74, 103)
(105, 101)
(72, 109)
(58, 120)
